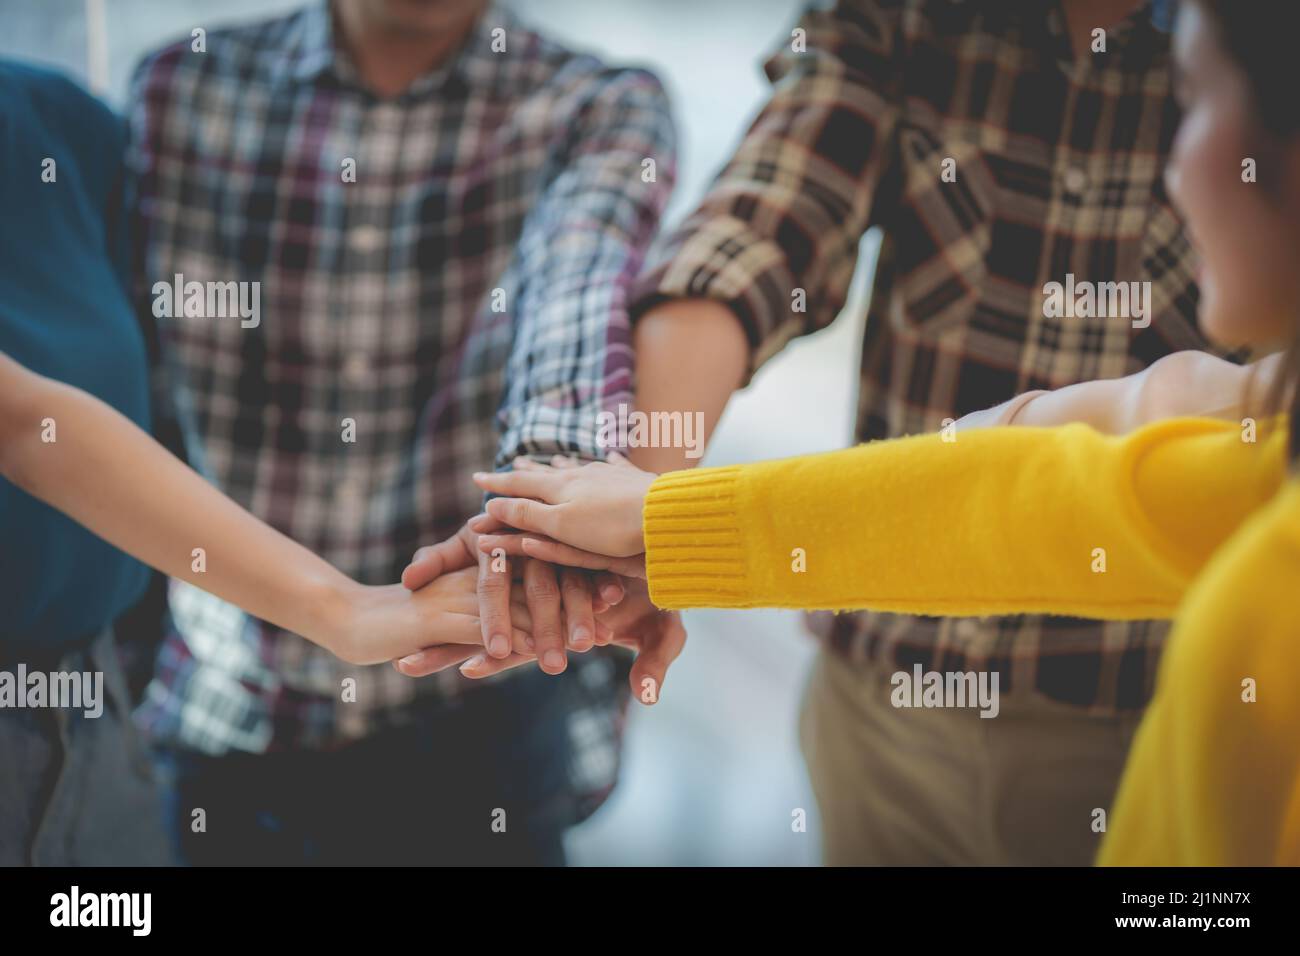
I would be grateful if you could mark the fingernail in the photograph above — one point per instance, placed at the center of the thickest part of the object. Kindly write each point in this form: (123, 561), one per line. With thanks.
(498, 645)
(473, 664)
(611, 593)
(530, 643)
(553, 659)
(580, 637)
(413, 658)
(480, 475)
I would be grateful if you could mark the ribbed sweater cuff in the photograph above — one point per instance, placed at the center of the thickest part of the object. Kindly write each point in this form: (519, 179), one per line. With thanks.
(694, 552)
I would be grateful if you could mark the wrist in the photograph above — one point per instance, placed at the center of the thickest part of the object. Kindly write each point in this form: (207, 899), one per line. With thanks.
(635, 537)
(330, 607)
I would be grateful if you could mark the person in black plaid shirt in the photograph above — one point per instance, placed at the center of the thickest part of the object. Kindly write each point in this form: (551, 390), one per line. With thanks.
(442, 213)
(1000, 145)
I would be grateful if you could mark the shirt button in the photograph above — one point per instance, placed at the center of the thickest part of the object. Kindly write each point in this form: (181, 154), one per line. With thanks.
(356, 369)
(1076, 180)
(365, 239)
(349, 490)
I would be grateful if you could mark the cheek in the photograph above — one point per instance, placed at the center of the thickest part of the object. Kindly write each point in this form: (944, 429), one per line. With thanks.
(1248, 281)
(1202, 172)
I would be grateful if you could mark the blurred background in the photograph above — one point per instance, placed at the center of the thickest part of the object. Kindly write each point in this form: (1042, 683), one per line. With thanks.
(713, 772)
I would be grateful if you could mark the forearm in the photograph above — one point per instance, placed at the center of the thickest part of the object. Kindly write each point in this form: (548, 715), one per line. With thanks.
(1182, 385)
(1058, 521)
(776, 238)
(580, 251)
(691, 354)
(109, 475)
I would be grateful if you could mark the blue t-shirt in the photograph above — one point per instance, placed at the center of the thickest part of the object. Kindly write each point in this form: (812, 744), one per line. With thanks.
(65, 312)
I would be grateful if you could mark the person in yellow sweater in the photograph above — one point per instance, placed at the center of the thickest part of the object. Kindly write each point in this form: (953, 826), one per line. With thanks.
(1061, 521)
(1193, 519)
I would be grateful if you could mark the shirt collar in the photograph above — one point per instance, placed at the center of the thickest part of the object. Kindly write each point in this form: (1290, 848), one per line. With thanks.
(1135, 41)
(310, 42)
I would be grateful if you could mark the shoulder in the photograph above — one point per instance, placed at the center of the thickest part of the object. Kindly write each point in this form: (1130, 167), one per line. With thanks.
(1241, 619)
(47, 114)
(35, 95)
(245, 50)
(541, 64)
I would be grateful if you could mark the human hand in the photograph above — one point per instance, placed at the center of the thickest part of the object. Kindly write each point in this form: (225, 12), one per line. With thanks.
(657, 636)
(376, 624)
(547, 592)
(519, 544)
(596, 507)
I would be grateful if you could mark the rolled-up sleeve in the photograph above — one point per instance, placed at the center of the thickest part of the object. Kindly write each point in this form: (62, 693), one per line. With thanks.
(582, 247)
(776, 238)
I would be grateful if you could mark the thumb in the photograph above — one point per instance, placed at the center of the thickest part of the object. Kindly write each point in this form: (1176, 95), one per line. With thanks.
(434, 560)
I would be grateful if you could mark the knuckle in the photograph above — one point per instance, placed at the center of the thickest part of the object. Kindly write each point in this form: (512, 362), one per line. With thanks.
(547, 632)
(543, 590)
(493, 583)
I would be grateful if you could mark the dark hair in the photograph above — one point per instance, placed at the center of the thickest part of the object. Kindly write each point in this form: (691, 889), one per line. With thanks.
(1258, 38)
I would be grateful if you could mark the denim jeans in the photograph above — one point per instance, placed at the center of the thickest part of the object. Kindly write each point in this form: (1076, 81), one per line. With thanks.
(78, 789)
(483, 781)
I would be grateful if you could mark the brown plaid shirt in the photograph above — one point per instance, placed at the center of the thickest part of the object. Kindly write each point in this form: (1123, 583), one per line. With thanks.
(1058, 170)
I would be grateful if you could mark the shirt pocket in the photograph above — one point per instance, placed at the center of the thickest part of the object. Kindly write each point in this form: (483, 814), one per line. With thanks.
(941, 233)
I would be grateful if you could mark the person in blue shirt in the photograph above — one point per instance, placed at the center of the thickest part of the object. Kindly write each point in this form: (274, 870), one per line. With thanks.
(86, 495)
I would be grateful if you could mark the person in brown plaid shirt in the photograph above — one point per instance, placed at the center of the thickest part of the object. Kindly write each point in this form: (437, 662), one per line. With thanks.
(1000, 146)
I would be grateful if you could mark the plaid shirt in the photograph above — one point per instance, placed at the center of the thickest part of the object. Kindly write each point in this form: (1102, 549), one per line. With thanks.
(1058, 170)
(463, 300)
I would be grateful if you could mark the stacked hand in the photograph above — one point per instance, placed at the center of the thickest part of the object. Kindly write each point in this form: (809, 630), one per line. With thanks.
(588, 530)
(369, 625)
(585, 516)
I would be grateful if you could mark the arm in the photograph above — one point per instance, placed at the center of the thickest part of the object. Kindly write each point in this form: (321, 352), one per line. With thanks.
(770, 251)
(109, 475)
(580, 248)
(691, 354)
(999, 521)
(1185, 384)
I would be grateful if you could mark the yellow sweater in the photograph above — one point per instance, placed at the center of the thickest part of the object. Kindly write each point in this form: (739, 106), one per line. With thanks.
(1182, 518)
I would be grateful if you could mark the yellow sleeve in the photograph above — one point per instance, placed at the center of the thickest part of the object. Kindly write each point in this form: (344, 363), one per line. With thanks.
(1006, 520)
(1213, 778)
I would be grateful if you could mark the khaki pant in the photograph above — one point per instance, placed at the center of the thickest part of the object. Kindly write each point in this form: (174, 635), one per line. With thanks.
(944, 786)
